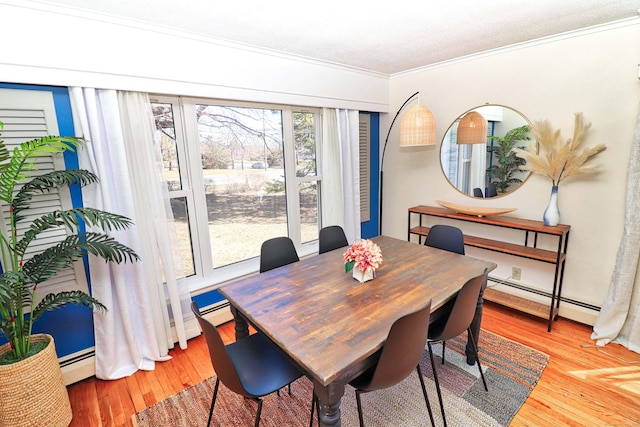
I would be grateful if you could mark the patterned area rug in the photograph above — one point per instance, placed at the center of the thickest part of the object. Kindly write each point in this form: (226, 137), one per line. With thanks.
(511, 370)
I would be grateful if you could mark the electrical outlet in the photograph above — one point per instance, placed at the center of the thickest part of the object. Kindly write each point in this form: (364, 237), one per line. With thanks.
(516, 273)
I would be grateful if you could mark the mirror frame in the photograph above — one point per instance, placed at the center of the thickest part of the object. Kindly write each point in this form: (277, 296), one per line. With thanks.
(446, 142)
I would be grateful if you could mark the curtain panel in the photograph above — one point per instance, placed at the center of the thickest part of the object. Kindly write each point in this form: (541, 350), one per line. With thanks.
(146, 300)
(341, 171)
(619, 318)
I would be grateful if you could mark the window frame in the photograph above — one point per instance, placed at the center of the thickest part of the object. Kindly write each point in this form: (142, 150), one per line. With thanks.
(192, 189)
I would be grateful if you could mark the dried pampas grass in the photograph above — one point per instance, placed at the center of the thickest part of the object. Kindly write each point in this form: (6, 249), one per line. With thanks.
(558, 159)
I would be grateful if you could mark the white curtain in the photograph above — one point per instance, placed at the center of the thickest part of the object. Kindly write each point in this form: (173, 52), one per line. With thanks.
(619, 318)
(136, 331)
(332, 201)
(341, 171)
(478, 172)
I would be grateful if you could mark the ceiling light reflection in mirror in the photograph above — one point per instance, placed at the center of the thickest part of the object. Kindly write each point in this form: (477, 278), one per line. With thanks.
(487, 169)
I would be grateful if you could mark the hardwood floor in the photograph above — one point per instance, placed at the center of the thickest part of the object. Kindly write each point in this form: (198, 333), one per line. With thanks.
(579, 387)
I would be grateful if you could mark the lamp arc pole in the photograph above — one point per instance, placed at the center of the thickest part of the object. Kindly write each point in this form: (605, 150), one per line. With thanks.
(384, 150)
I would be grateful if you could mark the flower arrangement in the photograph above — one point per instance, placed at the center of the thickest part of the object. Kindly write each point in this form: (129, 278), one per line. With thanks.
(363, 255)
(558, 159)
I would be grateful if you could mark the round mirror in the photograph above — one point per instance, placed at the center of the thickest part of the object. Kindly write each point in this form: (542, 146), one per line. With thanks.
(485, 165)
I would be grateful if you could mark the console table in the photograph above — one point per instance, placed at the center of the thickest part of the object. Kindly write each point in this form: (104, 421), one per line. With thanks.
(528, 249)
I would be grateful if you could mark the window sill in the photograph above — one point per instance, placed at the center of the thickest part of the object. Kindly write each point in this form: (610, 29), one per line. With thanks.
(229, 273)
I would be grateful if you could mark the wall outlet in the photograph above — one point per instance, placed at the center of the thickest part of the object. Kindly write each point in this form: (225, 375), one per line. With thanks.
(516, 273)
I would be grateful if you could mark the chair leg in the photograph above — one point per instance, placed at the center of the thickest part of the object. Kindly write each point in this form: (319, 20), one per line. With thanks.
(475, 351)
(426, 398)
(315, 404)
(213, 401)
(435, 378)
(444, 344)
(359, 408)
(259, 412)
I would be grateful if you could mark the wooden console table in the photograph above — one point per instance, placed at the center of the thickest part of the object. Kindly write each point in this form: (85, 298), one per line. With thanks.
(528, 250)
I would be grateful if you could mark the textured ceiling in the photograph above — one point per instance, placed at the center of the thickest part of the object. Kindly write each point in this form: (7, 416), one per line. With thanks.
(388, 37)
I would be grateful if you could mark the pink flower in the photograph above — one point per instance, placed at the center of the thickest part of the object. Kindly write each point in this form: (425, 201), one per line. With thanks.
(363, 255)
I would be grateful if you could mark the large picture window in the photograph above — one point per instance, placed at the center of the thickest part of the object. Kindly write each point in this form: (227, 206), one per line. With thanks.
(237, 175)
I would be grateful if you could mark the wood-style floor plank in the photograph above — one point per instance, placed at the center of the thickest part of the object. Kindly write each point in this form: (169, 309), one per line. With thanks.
(573, 391)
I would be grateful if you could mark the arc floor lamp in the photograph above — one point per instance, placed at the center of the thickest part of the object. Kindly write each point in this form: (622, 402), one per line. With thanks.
(417, 127)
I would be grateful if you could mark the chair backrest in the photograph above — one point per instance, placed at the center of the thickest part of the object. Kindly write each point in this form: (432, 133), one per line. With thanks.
(330, 238)
(492, 190)
(477, 192)
(464, 308)
(277, 252)
(220, 359)
(403, 349)
(446, 237)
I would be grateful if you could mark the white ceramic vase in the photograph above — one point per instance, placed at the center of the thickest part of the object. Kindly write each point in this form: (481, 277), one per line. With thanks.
(551, 215)
(363, 275)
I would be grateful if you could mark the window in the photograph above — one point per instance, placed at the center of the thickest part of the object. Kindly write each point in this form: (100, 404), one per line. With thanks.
(238, 174)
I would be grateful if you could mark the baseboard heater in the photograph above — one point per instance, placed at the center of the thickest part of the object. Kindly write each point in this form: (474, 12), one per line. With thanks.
(215, 308)
(543, 293)
(77, 358)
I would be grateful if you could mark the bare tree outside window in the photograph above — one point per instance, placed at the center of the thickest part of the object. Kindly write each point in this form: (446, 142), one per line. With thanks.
(242, 160)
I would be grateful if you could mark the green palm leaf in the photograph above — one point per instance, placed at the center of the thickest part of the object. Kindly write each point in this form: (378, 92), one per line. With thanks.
(70, 219)
(53, 301)
(15, 295)
(56, 258)
(23, 160)
(48, 182)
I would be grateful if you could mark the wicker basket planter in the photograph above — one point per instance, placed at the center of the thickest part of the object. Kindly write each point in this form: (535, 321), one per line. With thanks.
(32, 391)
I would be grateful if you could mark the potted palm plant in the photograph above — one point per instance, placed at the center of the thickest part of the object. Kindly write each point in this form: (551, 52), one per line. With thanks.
(31, 388)
(503, 172)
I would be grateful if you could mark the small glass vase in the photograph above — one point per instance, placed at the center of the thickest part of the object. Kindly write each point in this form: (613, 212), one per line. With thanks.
(363, 275)
(551, 215)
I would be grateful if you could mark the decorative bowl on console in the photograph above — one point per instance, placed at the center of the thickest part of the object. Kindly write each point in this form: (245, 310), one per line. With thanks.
(474, 210)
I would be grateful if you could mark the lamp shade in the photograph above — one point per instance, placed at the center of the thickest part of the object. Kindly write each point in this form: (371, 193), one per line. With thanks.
(472, 129)
(418, 127)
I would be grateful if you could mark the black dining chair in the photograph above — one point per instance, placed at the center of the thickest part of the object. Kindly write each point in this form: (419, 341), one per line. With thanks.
(451, 239)
(459, 319)
(492, 190)
(330, 238)
(446, 237)
(277, 252)
(251, 367)
(477, 192)
(399, 356)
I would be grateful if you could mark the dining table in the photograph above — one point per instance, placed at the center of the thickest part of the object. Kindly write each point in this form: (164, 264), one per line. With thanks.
(330, 324)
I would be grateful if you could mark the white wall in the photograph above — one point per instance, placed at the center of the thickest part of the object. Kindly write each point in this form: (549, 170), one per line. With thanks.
(45, 44)
(594, 72)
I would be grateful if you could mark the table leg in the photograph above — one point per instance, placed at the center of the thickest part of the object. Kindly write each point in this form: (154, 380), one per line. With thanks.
(242, 327)
(329, 403)
(475, 327)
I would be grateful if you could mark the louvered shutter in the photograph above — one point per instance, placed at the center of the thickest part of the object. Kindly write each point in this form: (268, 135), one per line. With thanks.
(28, 115)
(365, 167)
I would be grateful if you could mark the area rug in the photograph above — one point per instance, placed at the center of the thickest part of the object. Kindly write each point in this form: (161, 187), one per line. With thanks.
(511, 370)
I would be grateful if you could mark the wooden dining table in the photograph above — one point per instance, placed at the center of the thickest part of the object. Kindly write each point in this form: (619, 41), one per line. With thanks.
(332, 325)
